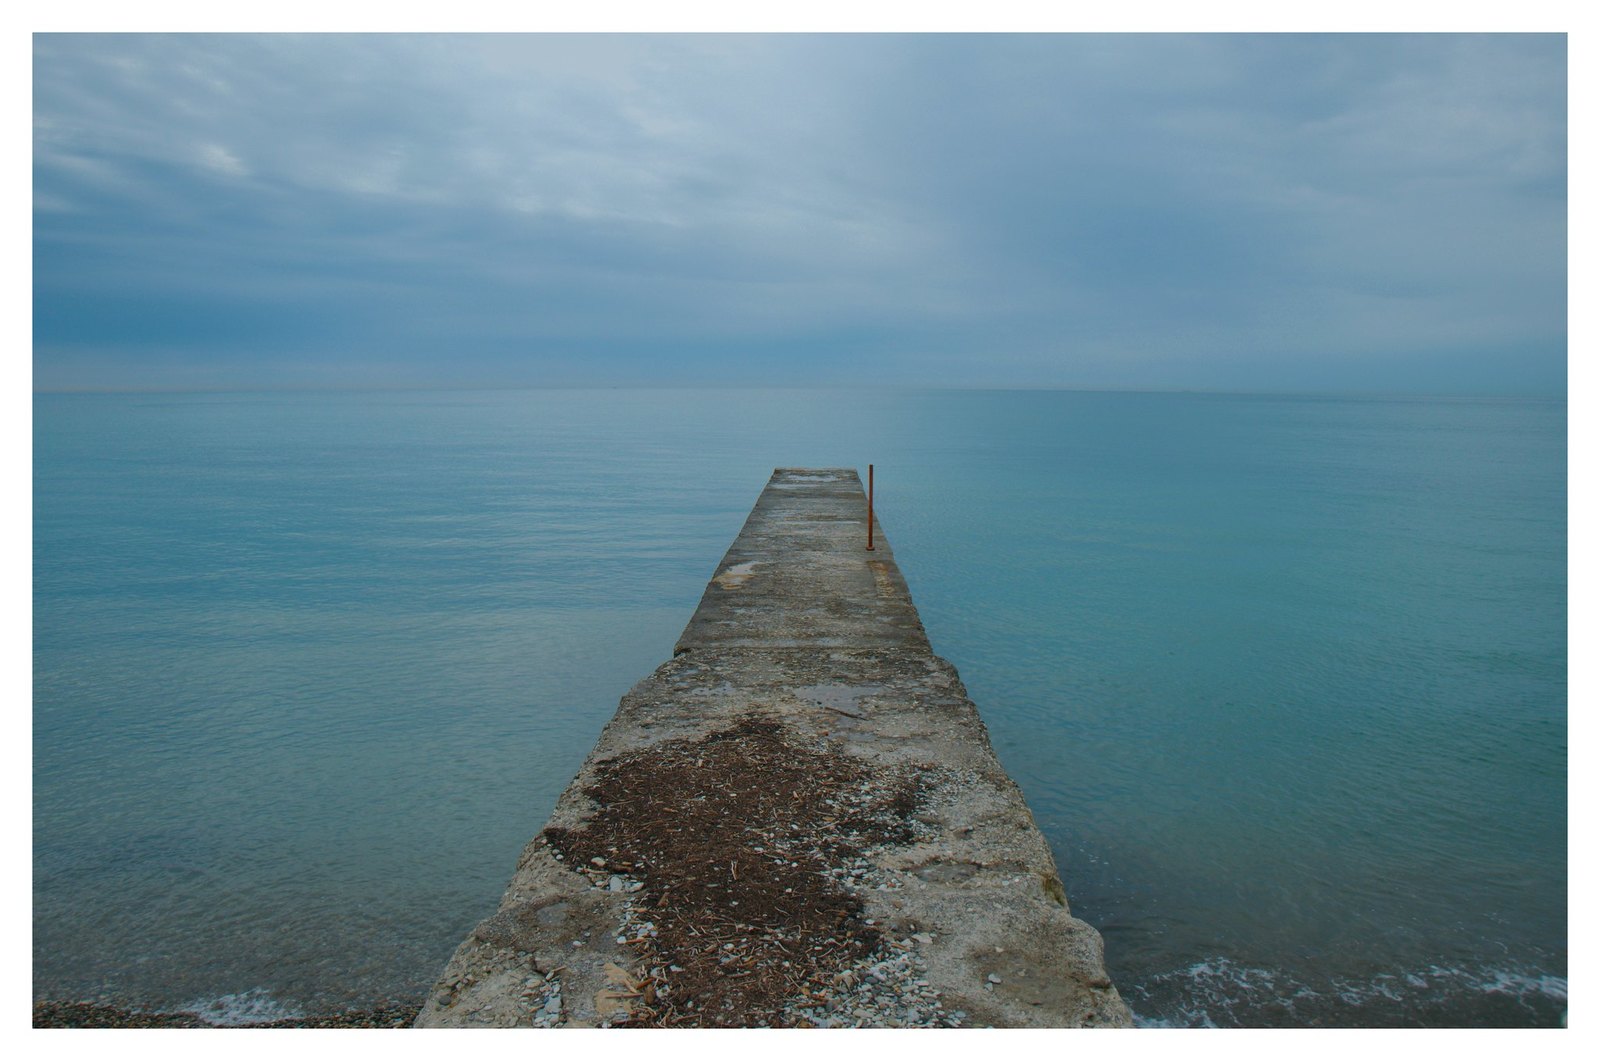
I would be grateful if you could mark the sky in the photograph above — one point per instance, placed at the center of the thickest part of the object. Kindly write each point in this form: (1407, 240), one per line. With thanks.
(1334, 212)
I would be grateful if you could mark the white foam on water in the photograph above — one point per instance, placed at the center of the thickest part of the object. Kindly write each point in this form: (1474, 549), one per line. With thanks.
(1221, 992)
(255, 1006)
(1522, 985)
(1210, 986)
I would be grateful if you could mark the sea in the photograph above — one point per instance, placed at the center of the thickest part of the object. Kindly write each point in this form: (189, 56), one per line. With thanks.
(1282, 677)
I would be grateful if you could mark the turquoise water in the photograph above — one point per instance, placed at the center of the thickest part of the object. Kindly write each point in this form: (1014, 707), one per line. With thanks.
(1283, 679)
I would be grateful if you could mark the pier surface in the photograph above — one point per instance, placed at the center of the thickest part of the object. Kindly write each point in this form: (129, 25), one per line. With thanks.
(798, 820)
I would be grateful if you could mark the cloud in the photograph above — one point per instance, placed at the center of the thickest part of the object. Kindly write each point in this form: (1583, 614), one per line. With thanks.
(1168, 210)
(219, 158)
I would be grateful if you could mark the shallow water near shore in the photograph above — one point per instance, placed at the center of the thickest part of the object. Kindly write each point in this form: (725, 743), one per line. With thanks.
(1283, 679)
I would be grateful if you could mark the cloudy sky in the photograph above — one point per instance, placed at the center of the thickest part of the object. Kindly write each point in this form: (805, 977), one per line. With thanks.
(1326, 212)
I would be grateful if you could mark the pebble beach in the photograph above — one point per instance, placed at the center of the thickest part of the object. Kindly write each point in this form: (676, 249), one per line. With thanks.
(94, 1015)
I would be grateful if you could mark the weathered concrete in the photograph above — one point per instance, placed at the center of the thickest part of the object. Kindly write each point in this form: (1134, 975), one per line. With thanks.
(803, 626)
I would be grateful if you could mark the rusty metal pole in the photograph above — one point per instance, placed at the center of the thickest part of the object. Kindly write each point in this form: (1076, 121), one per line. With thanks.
(869, 508)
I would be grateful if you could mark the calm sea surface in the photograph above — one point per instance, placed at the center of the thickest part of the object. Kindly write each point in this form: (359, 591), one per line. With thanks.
(1283, 679)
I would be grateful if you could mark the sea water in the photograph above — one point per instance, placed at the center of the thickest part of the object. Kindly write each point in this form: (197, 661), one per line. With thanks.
(1282, 678)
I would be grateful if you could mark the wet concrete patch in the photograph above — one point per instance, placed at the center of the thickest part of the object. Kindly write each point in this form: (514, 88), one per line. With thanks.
(944, 872)
(841, 699)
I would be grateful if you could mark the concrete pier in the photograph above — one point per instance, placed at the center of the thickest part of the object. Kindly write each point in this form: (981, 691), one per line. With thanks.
(798, 820)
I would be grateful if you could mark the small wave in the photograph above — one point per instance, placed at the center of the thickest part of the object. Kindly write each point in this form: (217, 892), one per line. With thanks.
(1220, 992)
(255, 1006)
(1191, 995)
(1502, 982)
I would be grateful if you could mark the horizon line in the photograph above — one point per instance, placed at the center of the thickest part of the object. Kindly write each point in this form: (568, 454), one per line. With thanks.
(1059, 388)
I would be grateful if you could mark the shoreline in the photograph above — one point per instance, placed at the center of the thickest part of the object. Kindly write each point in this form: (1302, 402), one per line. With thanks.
(49, 1013)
